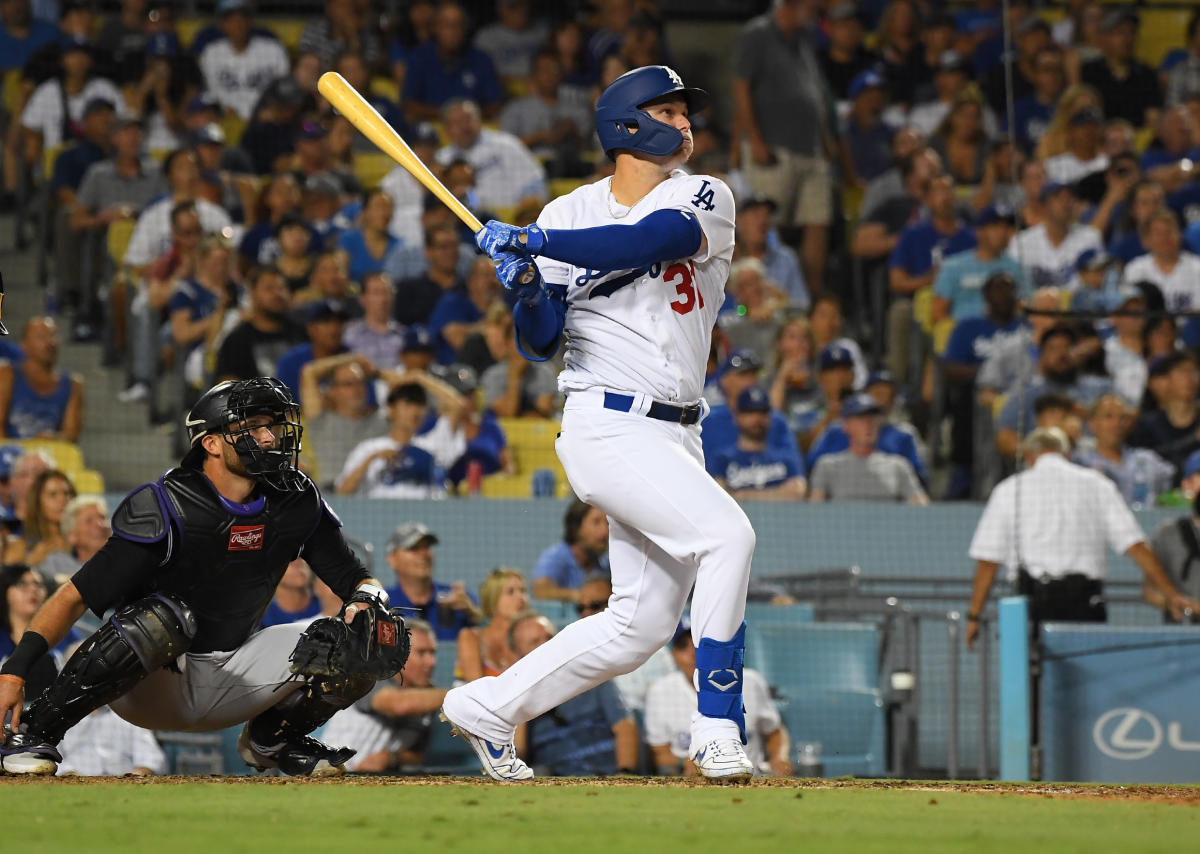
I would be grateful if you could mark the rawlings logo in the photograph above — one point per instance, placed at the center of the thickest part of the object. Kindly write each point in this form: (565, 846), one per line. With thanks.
(386, 633)
(246, 538)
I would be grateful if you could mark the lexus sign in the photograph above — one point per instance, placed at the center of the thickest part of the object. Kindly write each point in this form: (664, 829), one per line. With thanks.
(1128, 733)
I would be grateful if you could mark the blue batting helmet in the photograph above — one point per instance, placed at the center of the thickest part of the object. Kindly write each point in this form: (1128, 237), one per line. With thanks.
(622, 123)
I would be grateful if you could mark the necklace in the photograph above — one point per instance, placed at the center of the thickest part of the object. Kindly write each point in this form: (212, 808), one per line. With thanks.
(609, 198)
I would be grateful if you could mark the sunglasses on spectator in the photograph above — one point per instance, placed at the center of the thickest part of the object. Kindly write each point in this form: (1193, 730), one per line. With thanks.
(584, 607)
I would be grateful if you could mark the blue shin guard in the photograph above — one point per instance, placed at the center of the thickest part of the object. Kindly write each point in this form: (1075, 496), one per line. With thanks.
(719, 679)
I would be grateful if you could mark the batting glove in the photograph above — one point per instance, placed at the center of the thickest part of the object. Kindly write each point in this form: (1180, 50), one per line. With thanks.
(518, 274)
(496, 238)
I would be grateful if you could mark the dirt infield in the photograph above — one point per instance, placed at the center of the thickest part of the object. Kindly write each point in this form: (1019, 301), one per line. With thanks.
(1184, 795)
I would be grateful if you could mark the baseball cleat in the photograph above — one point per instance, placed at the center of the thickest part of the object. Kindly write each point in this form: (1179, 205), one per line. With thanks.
(305, 757)
(25, 754)
(499, 761)
(724, 760)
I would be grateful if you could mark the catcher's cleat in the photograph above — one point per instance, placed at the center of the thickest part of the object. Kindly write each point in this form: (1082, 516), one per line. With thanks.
(499, 761)
(724, 760)
(26, 754)
(303, 757)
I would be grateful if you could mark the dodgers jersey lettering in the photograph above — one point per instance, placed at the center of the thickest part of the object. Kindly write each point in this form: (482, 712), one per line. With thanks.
(648, 329)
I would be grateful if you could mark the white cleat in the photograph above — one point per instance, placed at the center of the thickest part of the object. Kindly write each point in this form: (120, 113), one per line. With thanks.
(724, 760)
(499, 761)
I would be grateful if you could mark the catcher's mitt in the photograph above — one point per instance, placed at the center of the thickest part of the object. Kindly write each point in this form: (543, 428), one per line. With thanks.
(375, 645)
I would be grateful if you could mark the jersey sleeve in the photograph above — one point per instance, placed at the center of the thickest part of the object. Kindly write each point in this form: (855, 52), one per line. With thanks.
(710, 200)
(992, 540)
(1120, 526)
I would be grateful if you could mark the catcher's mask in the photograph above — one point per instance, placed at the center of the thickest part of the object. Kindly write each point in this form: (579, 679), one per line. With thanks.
(235, 410)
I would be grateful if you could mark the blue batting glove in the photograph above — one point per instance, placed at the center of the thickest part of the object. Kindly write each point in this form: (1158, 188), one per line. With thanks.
(518, 274)
(496, 238)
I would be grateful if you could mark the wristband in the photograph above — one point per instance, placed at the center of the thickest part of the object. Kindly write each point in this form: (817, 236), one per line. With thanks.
(10, 677)
(377, 592)
(29, 649)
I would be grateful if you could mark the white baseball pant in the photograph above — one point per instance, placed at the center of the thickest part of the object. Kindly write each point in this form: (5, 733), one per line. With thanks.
(671, 527)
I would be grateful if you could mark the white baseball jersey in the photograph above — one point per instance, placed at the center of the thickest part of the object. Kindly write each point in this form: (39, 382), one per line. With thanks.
(644, 330)
(506, 172)
(44, 110)
(1047, 265)
(152, 232)
(237, 79)
(1180, 287)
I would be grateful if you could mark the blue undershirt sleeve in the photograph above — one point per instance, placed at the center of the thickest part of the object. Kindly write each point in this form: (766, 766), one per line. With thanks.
(539, 326)
(661, 236)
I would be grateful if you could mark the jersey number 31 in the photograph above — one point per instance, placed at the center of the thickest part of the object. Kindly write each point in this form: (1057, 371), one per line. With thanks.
(682, 276)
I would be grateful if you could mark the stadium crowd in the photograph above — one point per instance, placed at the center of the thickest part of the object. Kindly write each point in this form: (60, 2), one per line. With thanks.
(929, 265)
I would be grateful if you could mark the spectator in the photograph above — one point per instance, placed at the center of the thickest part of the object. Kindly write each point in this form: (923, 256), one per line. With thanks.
(1051, 525)
(898, 47)
(1082, 155)
(460, 313)
(506, 172)
(200, 305)
(1139, 473)
(792, 387)
(484, 651)
(25, 470)
(548, 120)
(86, 529)
(950, 77)
(868, 136)
(357, 73)
(9, 454)
(270, 136)
(296, 243)
(279, 196)
(254, 346)
(1176, 545)
(393, 466)
(105, 745)
(1097, 281)
(754, 321)
(22, 592)
(417, 297)
(863, 472)
(1015, 356)
(54, 111)
(826, 323)
(1032, 113)
(1128, 89)
(227, 167)
(748, 469)
(784, 125)
(835, 379)
(337, 413)
(561, 569)
(375, 335)
(1175, 271)
(313, 159)
(294, 598)
(36, 398)
(756, 238)
(1031, 36)
(1169, 159)
(958, 287)
(407, 194)
(671, 702)
(937, 36)
(1185, 494)
(449, 608)
(592, 734)
(961, 138)
(1183, 80)
(1057, 371)
(238, 68)
(1173, 430)
(1047, 252)
(905, 143)
(21, 34)
(614, 20)
(1124, 349)
(844, 58)
(513, 40)
(882, 222)
(446, 68)
(45, 508)
(340, 30)
(514, 387)
(740, 371)
(390, 727)
(328, 282)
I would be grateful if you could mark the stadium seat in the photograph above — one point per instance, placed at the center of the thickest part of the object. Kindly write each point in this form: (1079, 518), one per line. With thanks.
(119, 234)
(287, 30)
(66, 455)
(186, 29)
(1161, 30)
(88, 481)
(531, 444)
(386, 87)
(760, 613)
(370, 168)
(11, 90)
(506, 486)
(562, 186)
(234, 126)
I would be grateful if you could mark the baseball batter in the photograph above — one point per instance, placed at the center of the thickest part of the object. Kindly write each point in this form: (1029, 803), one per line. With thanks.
(190, 569)
(632, 271)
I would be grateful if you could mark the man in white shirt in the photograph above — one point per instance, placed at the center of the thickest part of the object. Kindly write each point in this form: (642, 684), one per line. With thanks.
(1047, 252)
(240, 66)
(408, 195)
(104, 745)
(671, 702)
(506, 172)
(1051, 526)
(1177, 273)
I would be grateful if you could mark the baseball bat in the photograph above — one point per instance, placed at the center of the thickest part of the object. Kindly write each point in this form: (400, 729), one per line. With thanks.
(351, 104)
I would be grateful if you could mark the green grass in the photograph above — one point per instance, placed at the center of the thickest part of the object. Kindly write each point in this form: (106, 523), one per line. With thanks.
(342, 816)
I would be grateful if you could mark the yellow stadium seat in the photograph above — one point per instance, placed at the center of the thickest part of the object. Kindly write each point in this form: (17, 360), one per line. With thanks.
(852, 199)
(370, 168)
(1161, 31)
(923, 308)
(998, 405)
(287, 30)
(88, 481)
(67, 456)
(186, 29)
(1142, 137)
(562, 186)
(48, 157)
(505, 486)
(234, 126)
(160, 154)
(119, 234)
(386, 87)
(11, 88)
(531, 445)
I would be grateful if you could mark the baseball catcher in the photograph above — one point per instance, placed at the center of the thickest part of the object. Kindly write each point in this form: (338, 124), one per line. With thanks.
(191, 566)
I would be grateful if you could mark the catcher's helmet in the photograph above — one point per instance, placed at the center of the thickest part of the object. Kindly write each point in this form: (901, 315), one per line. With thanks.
(226, 408)
(622, 123)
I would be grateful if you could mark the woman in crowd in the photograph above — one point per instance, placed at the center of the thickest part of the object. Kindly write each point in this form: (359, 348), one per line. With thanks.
(368, 245)
(296, 256)
(200, 305)
(279, 196)
(1076, 98)
(484, 651)
(48, 498)
(960, 138)
(22, 592)
(793, 387)
(900, 48)
(328, 281)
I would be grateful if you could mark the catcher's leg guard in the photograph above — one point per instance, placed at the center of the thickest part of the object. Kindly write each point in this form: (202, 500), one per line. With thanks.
(136, 641)
(307, 709)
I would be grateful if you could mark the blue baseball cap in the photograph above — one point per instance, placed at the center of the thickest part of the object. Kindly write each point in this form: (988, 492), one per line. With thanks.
(9, 454)
(865, 80)
(327, 309)
(1093, 259)
(860, 404)
(684, 629)
(880, 376)
(417, 338)
(835, 356)
(753, 399)
(742, 360)
(1052, 187)
(995, 213)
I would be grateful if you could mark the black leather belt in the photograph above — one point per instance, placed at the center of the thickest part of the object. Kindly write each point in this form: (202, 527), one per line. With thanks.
(684, 415)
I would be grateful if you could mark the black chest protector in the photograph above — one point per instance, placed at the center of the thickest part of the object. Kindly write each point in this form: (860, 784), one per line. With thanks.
(223, 559)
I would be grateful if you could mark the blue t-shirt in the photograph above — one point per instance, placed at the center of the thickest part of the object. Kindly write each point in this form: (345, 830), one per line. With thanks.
(576, 738)
(15, 53)
(70, 166)
(31, 414)
(191, 296)
(446, 623)
(1031, 118)
(431, 80)
(453, 307)
(1185, 203)
(1161, 157)
(976, 338)
(1128, 247)
(276, 616)
(961, 278)
(361, 261)
(559, 565)
(287, 370)
(720, 433)
(764, 469)
(11, 352)
(921, 247)
(892, 440)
